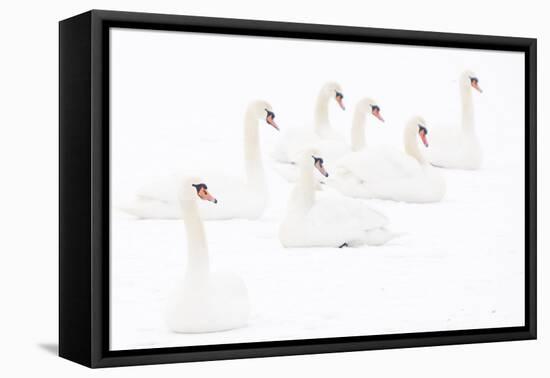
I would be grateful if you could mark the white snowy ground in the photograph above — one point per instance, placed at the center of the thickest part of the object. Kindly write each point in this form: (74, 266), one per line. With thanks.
(457, 268)
(459, 265)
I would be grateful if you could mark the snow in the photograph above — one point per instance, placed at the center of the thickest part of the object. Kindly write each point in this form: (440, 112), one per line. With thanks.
(459, 264)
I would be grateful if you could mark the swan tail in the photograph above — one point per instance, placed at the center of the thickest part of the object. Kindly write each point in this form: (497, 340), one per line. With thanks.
(380, 236)
(437, 165)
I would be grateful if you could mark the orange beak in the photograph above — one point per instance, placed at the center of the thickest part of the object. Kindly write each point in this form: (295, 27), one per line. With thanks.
(475, 85)
(423, 137)
(376, 113)
(205, 195)
(321, 169)
(340, 102)
(272, 122)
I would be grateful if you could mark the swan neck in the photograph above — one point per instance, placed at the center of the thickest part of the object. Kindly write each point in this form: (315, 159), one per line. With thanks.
(467, 108)
(303, 194)
(358, 131)
(252, 154)
(411, 144)
(321, 114)
(197, 250)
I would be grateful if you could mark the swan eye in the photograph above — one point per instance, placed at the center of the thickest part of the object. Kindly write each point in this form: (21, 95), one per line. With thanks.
(270, 114)
(339, 94)
(375, 108)
(422, 129)
(199, 187)
(317, 160)
(474, 79)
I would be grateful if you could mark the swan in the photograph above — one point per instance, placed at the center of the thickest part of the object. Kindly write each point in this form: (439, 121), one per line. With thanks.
(329, 91)
(391, 174)
(334, 221)
(459, 147)
(244, 197)
(204, 301)
(292, 141)
(321, 136)
(358, 128)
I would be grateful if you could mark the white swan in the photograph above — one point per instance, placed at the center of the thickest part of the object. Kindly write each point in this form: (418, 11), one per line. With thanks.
(459, 147)
(321, 136)
(334, 221)
(244, 197)
(322, 127)
(391, 174)
(204, 301)
(358, 126)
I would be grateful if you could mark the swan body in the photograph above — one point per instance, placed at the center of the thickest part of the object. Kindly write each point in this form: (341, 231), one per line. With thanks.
(456, 149)
(244, 197)
(204, 301)
(331, 221)
(329, 143)
(459, 147)
(391, 174)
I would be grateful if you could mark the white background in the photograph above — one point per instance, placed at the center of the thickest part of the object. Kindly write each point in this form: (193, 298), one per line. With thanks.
(28, 151)
(177, 106)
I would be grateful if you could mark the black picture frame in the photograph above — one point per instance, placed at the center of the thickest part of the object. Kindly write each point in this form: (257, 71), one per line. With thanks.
(84, 187)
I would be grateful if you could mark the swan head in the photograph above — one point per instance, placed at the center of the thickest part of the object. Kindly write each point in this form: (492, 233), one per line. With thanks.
(368, 105)
(263, 110)
(470, 79)
(419, 125)
(304, 161)
(203, 193)
(318, 163)
(333, 90)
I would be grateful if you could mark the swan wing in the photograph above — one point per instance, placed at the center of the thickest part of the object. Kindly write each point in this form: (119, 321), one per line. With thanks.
(344, 216)
(331, 150)
(454, 148)
(292, 142)
(377, 165)
(331, 222)
(443, 142)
